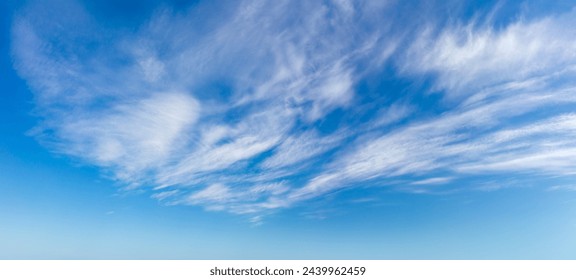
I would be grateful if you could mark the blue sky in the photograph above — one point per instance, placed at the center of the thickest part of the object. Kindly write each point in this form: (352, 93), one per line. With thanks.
(288, 129)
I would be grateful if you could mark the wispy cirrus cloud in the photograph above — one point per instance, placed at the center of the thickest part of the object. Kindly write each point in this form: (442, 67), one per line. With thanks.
(433, 181)
(476, 58)
(264, 108)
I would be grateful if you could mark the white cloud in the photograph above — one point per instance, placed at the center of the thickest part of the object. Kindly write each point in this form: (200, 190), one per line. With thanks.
(563, 188)
(213, 193)
(224, 113)
(392, 114)
(131, 137)
(153, 68)
(433, 181)
(298, 149)
(469, 57)
(460, 143)
(165, 195)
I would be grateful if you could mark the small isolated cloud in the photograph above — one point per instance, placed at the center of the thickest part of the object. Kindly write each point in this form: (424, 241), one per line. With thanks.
(563, 188)
(277, 103)
(433, 181)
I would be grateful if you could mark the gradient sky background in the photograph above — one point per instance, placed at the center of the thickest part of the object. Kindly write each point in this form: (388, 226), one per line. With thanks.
(287, 130)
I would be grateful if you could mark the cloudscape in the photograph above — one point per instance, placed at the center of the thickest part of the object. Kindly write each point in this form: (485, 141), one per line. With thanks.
(277, 111)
